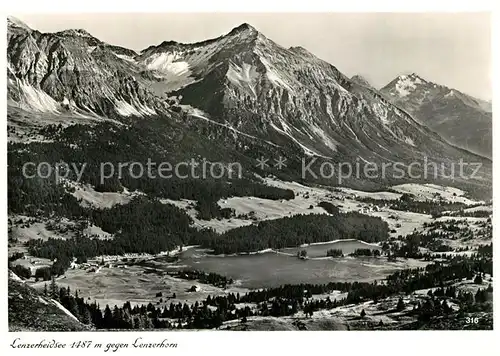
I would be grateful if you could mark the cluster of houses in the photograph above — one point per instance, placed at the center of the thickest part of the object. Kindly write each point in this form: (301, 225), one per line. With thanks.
(94, 267)
(369, 209)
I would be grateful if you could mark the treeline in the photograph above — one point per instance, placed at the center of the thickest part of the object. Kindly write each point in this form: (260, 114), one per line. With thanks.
(486, 250)
(334, 253)
(410, 248)
(471, 214)
(146, 225)
(408, 203)
(433, 240)
(298, 230)
(404, 281)
(366, 252)
(214, 279)
(329, 207)
(144, 317)
(435, 274)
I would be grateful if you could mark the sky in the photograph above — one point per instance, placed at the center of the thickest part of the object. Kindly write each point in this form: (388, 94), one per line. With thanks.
(451, 49)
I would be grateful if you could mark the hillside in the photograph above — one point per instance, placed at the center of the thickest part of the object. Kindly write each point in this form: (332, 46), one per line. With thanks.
(31, 311)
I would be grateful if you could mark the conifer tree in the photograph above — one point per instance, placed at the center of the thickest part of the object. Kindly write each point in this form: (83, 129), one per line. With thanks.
(54, 290)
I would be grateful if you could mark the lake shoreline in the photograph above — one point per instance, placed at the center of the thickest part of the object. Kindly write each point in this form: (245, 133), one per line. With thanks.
(281, 250)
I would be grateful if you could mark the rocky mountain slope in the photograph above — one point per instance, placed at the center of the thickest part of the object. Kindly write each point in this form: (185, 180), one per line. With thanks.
(247, 81)
(72, 71)
(459, 118)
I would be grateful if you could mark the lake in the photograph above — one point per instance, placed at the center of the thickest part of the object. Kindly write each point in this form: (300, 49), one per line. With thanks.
(274, 268)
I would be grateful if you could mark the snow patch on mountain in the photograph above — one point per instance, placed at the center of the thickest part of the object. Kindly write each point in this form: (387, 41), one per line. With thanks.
(143, 109)
(459, 118)
(125, 57)
(308, 151)
(327, 140)
(36, 99)
(167, 63)
(409, 141)
(406, 85)
(244, 77)
(353, 133)
(381, 112)
(274, 76)
(126, 109)
(450, 94)
(174, 72)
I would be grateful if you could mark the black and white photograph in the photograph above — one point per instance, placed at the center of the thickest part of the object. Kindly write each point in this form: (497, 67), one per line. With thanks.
(248, 172)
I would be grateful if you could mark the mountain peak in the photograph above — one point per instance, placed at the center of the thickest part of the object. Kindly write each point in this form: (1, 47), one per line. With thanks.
(404, 84)
(301, 50)
(75, 32)
(15, 22)
(412, 78)
(243, 31)
(361, 80)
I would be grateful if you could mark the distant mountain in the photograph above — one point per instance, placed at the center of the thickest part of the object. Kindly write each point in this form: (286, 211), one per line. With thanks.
(240, 92)
(459, 118)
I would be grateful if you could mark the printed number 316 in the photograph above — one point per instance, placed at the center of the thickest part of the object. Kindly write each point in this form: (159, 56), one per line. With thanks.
(471, 320)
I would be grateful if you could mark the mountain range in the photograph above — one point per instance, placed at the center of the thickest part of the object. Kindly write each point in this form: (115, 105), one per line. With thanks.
(240, 95)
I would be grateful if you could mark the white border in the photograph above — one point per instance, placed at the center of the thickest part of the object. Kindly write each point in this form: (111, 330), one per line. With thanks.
(146, 6)
(252, 343)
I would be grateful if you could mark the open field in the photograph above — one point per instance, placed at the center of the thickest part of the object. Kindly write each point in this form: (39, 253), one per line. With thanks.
(90, 198)
(430, 191)
(115, 286)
